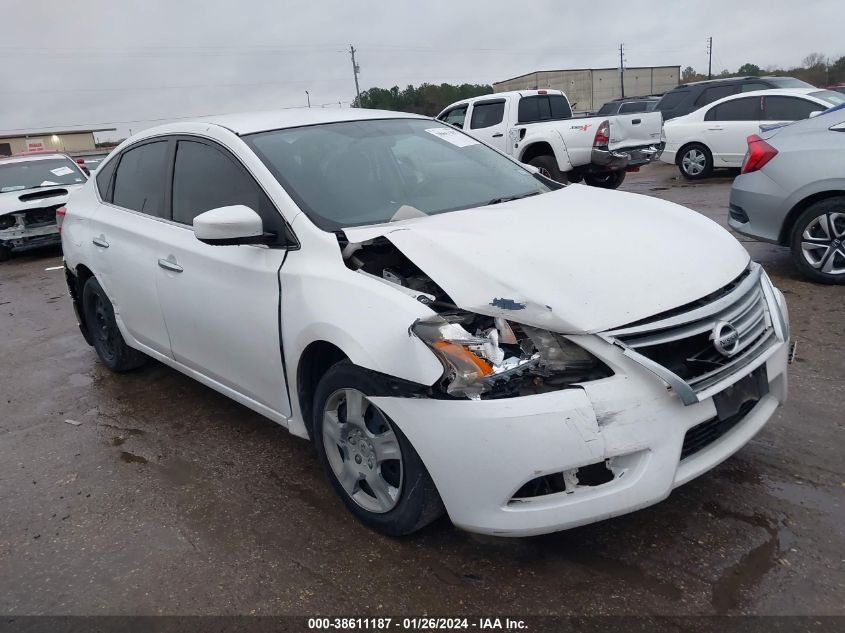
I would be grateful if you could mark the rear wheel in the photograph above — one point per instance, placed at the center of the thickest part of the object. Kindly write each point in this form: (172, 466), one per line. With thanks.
(606, 180)
(108, 341)
(5, 253)
(548, 168)
(818, 241)
(695, 162)
(368, 460)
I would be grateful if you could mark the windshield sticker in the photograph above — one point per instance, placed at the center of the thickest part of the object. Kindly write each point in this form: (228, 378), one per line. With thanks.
(61, 171)
(452, 136)
(47, 183)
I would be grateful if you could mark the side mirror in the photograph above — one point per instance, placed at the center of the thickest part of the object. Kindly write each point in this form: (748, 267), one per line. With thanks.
(815, 113)
(228, 226)
(531, 168)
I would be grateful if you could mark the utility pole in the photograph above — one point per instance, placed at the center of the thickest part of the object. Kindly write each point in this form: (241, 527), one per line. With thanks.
(308, 96)
(622, 68)
(355, 69)
(710, 57)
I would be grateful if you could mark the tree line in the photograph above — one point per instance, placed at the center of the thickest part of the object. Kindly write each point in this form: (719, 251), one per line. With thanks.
(427, 99)
(815, 69)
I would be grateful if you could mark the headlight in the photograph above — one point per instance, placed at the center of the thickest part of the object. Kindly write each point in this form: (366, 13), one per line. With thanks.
(481, 354)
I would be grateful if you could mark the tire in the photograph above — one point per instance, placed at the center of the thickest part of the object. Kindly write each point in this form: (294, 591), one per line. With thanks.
(818, 241)
(5, 253)
(695, 162)
(548, 168)
(393, 496)
(113, 351)
(607, 180)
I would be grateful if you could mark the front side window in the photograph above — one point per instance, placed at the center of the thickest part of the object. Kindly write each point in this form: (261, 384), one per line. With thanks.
(205, 178)
(139, 179)
(370, 172)
(39, 172)
(487, 114)
(456, 116)
(746, 109)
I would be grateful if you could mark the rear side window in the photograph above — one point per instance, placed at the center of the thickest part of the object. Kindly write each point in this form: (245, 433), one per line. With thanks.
(745, 109)
(543, 108)
(751, 87)
(139, 179)
(788, 108)
(672, 100)
(205, 178)
(104, 179)
(607, 108)
(487, 114)
(633, 106)
(709, 95)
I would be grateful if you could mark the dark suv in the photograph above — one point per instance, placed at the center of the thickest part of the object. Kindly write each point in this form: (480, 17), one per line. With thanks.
(689, 97)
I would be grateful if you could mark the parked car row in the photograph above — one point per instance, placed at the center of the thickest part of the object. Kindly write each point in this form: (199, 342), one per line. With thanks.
(427, 311)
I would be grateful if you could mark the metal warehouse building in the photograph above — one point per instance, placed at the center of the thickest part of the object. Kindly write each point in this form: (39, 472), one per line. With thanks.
(62, 141)
(590, 88)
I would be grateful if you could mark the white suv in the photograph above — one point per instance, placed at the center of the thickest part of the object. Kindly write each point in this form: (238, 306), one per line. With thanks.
(450, 329)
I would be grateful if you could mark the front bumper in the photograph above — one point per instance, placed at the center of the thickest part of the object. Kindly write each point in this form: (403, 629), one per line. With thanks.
(480, 453)
(23, 237)
(628, 157)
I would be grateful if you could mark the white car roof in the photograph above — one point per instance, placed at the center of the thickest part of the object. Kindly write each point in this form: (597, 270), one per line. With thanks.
(502, 95)
(264, 121)
(30, 157)
(774, 92)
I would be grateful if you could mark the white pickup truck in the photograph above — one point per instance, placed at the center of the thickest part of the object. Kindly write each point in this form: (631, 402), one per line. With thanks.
(537, 127)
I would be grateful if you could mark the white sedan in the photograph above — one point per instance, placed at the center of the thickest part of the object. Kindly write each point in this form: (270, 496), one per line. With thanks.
(715, 135)
(429, 313)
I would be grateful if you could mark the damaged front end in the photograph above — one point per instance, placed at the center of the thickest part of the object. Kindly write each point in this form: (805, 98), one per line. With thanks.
(483, 356)
(29, 228)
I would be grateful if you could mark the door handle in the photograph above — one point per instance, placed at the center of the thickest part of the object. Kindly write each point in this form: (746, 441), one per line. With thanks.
(636, 121)
(499, 135)
(715, 129)
(170, 264)
(100, 241)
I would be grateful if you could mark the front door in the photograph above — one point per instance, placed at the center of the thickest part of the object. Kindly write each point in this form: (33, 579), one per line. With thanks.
(487, 122)
(221, 304)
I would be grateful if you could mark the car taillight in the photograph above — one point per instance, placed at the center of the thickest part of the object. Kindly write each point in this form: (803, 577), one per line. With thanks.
(759, 153)
(602, 137)
(60, 217)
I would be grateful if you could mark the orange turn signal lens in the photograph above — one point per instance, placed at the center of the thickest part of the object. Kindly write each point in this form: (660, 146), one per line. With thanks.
(462, 358)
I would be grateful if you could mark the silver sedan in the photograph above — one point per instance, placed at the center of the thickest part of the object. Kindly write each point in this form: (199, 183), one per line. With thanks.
(792, 192)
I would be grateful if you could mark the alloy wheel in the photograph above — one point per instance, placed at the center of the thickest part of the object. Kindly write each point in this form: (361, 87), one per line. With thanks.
(694, 162)
(823, 243)
(362, 450)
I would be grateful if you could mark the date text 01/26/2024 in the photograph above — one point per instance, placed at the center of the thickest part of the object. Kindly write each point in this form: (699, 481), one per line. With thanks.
(414, 624)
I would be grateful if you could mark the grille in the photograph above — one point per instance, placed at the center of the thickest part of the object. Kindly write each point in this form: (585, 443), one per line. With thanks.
(40, 216)
(703, 435)
(680, 347)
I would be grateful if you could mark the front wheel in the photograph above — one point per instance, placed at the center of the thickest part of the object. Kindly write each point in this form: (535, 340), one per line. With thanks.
(369, 462)
(818, 241)
(5, 253)
(108, 341)
(606, 180)
(695, 162)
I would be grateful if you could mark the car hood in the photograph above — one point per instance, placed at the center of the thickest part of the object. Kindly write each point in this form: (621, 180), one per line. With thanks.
(12, 201)
(580, 259)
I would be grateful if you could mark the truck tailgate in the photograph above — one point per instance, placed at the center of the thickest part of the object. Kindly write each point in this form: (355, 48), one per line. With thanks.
(635, 130)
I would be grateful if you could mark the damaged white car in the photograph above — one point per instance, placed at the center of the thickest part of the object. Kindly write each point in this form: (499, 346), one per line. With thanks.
(32, 187)
(453, 331)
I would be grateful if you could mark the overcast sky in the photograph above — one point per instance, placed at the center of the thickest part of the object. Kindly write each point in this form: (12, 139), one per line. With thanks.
(127, 63)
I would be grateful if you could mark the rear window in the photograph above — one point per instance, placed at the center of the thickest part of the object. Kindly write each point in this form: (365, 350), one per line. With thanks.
(543, 108)
(633, 106)
(104, 179)
(833, 98)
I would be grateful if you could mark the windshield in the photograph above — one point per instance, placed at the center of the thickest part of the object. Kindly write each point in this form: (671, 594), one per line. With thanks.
(833, 98)
(369, 172)
(42, 172)
(788, 82)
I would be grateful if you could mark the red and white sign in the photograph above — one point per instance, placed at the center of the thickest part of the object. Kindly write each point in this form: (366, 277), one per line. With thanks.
(35, 145)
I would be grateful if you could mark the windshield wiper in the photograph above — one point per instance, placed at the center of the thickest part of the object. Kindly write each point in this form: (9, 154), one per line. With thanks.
(510, 198)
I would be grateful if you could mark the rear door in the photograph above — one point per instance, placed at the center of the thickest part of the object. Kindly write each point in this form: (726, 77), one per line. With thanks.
(221, 304)
(727, 126)
(125, 230)
(487, 122)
